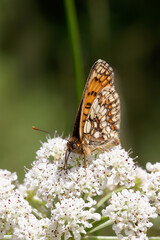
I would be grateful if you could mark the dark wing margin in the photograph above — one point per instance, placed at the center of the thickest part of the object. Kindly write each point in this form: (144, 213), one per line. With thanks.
(77, 123)
(76, 129)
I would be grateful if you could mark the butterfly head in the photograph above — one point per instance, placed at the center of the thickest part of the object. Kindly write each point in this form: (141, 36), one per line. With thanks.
(74, 145)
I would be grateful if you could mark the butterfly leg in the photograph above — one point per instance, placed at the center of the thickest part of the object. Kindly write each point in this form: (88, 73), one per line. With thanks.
(103, 149)
(85, 162)
(66, 159)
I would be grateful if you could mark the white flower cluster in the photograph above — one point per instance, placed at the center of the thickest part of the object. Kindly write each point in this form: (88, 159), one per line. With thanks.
(53, 149)
(15, 212)
(62, 201)
(7, 180)
(50, 182)
(121, 167)
(151, 185)
(130, 212)
(70, 216)
(153, 167)
(141, 175)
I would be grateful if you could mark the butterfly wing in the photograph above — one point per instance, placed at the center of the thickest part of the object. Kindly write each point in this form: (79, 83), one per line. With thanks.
(88, 97)
(99, 113)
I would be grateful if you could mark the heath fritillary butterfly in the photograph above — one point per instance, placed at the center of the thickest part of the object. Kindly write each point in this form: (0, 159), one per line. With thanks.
(97, 123)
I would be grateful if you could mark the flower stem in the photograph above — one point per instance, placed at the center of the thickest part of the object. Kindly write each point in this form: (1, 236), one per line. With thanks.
(94, 237)
(7, 237)
(75, 44)
(103, 225)
(112, 238)
(101, 237)
(154, 238)
(106, 197)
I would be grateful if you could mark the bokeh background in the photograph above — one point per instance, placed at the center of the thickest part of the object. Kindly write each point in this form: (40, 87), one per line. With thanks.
(37, 72)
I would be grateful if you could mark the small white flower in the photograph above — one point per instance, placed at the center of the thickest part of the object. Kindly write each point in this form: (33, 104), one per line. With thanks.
(53, 149)
(70, 218)
(121, 166)
(130, 212)
(16, 216)
(31, 228)
(6, 181)
(141, 174)
(13, 206)
(151, 185)
(153, 167)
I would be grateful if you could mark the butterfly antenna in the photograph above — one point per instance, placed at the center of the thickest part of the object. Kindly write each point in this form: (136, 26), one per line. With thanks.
(33, 127)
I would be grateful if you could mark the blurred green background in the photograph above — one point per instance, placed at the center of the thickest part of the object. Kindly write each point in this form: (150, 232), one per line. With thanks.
(37, 71)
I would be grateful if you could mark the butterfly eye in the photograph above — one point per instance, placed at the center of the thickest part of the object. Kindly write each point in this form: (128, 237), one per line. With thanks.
(74, 146)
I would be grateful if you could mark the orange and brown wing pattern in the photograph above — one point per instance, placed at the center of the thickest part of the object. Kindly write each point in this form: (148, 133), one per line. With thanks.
(103, 121)
(101, 76)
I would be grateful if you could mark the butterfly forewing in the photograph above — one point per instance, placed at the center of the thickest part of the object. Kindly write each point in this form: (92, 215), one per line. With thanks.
(100, 75)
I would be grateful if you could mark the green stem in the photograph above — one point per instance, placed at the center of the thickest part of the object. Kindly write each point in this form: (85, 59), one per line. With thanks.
(95, 237)
(103, 225)
(75, 43)
(106, 197)
(101, 237)
(154, 238)
(112, 238)
(7, 237)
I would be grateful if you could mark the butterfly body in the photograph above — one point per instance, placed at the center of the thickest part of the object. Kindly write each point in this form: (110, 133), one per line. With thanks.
(98, 119)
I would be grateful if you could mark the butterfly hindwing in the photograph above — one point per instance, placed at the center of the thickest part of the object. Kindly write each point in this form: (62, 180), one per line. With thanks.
(99, 95)
(103, 121)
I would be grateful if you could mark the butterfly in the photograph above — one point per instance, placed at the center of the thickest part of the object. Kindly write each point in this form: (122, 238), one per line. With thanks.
(97, 124)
